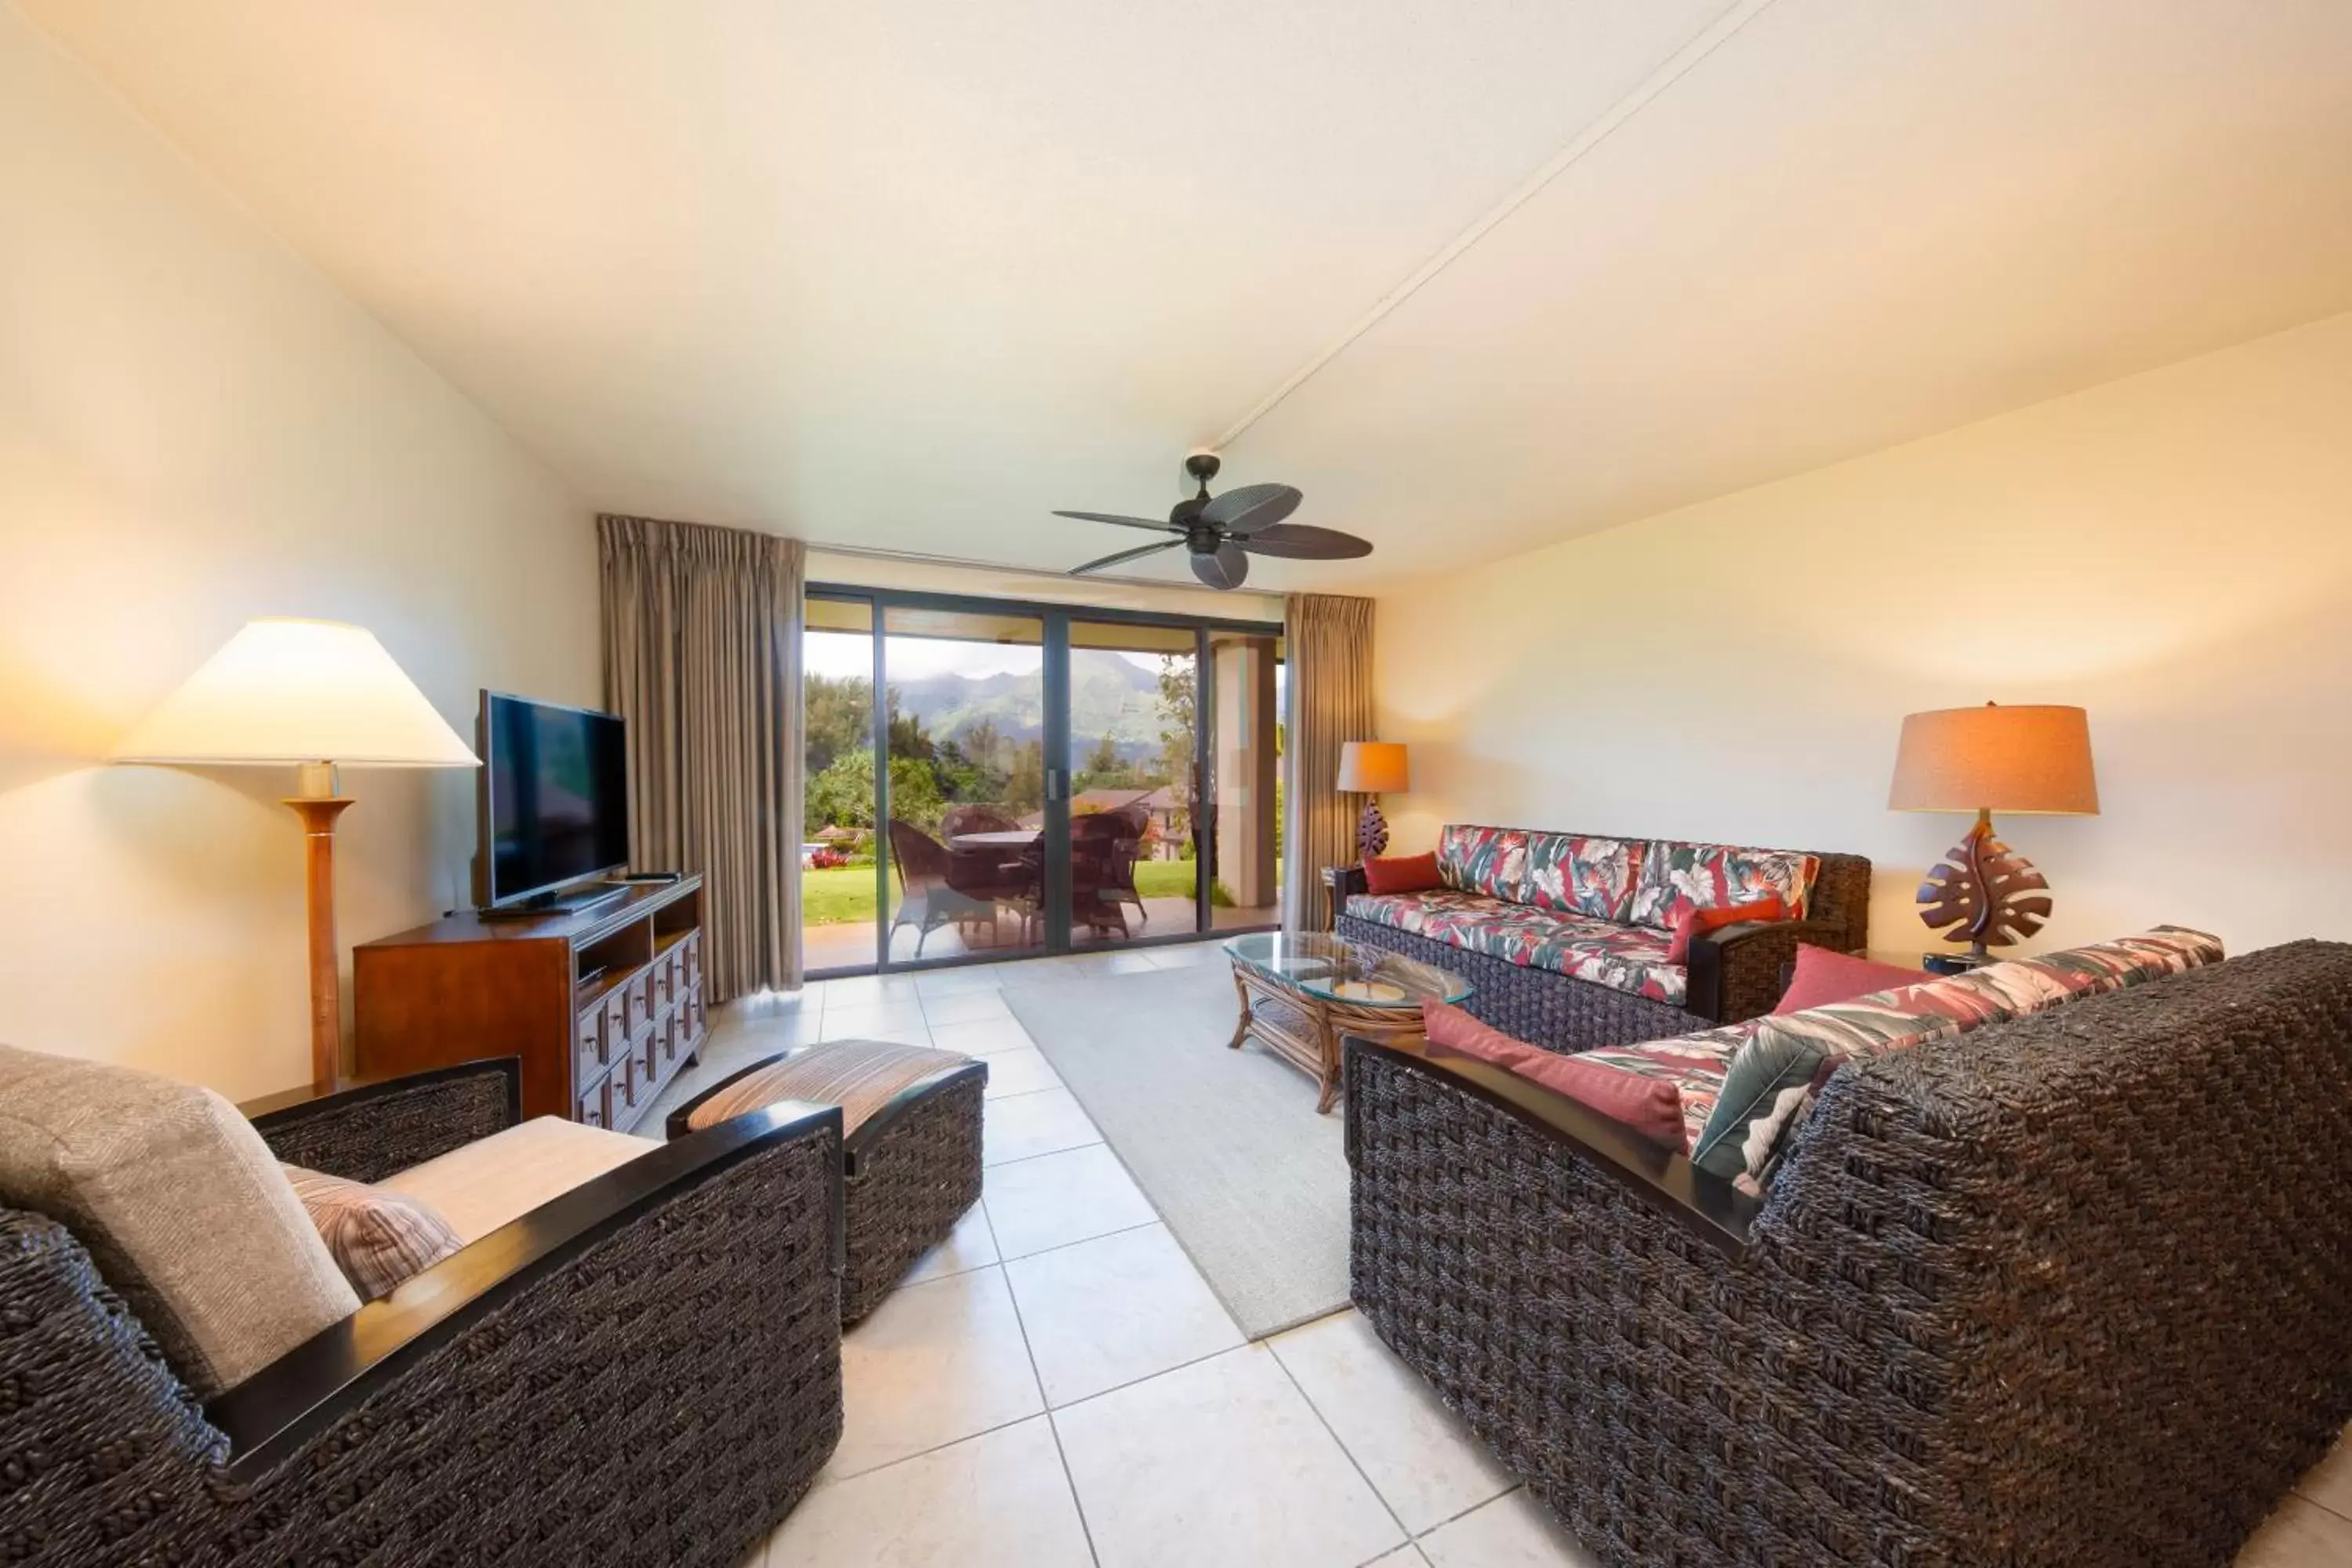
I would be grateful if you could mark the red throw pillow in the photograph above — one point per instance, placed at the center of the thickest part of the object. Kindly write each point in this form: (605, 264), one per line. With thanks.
(1402, 874)
(1698, 922)
(1823, 977)
(1652, 1107)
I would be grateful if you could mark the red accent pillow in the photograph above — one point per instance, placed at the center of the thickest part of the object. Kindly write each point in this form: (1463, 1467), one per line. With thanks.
(1652, 1107)
(1698, 922)
(1825, 976)
(1402, 874)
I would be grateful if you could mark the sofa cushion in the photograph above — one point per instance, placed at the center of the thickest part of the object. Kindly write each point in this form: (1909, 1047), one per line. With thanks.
(180, 1204)
(1402, 874)
(1624, 958)
(1488, 860)
(497, 1180)
(1575, 874)
(1677, 877)
(1747, 1131)
(378, 1237)
(1825, 975)
(1694, 1064)
(1704, 923)
(1649, 1105)
(1772, 1081)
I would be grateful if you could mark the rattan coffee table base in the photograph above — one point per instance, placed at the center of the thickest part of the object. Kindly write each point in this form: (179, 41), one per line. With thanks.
(1306, 1031)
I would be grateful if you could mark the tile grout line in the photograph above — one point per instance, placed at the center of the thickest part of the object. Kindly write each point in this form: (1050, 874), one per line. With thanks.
(1347, 1453)
(1052, 1430)
(1516, 1487)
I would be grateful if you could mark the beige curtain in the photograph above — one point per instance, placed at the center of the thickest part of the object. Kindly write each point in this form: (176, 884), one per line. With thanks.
(702, 656)
(1329, 645)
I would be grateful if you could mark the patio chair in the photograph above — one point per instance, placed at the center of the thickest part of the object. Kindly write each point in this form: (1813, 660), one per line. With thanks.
(1094, 857)
(1118, 868)
(926, 901)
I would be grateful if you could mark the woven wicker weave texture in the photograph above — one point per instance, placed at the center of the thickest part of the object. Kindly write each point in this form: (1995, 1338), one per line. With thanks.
(905, 1191)
(1555, 1010)
(2069, 1290)
(664, 1397)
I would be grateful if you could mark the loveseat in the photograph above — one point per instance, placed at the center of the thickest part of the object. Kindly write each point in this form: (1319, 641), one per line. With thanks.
(2053, 1270)
(635, 1356)
(1565, 937)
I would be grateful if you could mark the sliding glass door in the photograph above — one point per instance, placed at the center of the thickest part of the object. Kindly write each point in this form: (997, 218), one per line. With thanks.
(965, 846)
(1053, 780)
(1134, 757)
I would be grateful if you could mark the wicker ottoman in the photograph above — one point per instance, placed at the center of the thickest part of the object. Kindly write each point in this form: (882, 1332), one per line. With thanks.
(910, 1145)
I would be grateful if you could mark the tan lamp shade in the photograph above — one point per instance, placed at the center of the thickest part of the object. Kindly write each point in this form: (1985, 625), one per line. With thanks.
(294, 691)
(2030, 758)
(1372, 767)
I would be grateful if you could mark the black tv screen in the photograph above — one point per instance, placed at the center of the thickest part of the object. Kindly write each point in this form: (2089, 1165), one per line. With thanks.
(557, 789)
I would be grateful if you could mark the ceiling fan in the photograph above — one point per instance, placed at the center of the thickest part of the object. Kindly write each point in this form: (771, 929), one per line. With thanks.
(1218, 532)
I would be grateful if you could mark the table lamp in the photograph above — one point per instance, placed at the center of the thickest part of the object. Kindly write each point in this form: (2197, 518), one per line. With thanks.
(313, 696)
(1366, 768)
(2034, 759)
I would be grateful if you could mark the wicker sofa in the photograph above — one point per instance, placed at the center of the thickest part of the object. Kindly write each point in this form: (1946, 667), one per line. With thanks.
(644, 1369)
(1564, 937)
(2064, 1288)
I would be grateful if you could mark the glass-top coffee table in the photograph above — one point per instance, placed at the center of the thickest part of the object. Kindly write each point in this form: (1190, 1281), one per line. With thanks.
(1301, 993)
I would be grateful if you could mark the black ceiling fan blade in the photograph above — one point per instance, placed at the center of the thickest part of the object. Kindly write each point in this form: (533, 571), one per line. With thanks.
(1251, 507)
(1140, 549)
(1223, 567)
(1303, 542)
(1160, 526)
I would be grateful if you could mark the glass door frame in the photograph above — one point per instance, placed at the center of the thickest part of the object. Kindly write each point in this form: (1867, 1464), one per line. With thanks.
(1056, 619)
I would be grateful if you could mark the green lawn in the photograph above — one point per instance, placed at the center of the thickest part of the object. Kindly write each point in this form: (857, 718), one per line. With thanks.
(845, 894)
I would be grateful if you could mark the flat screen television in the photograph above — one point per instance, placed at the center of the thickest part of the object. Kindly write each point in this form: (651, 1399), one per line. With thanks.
(554, 798)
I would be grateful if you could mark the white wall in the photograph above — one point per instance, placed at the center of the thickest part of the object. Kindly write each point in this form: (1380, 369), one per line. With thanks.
(2172, 551)
(196, 429)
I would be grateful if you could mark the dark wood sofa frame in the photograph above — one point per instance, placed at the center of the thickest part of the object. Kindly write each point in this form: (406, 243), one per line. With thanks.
(2067, 1290)
(645, 1370)
(1737, 971)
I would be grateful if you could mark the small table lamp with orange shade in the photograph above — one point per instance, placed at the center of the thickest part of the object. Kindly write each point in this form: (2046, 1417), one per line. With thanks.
(1366, 768)
(312, 696)
(2033, 758)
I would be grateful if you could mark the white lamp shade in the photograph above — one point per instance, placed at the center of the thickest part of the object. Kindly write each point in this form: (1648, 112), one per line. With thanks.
(292, 691)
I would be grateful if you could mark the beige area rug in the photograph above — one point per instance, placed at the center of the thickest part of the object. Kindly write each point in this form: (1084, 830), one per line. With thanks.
(1226, 1144)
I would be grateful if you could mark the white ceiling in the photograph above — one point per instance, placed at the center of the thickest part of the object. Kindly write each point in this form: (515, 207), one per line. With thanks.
(910, 275)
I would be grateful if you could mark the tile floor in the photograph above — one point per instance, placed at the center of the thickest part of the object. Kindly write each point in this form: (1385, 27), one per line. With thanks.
(1057, 1386)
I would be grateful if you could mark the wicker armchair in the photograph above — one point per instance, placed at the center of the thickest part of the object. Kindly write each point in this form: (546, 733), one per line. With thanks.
(2066, 1290)
(645, 1370)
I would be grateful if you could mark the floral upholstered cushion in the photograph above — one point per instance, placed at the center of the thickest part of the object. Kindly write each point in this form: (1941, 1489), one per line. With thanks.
(1782, 1064)
(1679, 877)
(1625, 958)
(1694, 1064)
(1489, 860)
(1572, 874)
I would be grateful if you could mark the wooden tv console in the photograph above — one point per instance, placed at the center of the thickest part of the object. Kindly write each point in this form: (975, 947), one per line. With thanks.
(596, 1047)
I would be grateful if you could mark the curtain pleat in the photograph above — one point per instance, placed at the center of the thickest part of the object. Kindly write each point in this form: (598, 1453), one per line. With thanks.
(1328, 647)
(702, 656)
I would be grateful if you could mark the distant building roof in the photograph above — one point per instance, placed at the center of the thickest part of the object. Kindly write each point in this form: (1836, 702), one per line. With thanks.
(1088, 800)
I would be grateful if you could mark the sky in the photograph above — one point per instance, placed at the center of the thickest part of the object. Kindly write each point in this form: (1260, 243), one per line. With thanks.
(838, 654)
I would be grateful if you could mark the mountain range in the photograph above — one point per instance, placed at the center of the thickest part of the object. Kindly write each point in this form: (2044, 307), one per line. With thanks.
(1109, 696)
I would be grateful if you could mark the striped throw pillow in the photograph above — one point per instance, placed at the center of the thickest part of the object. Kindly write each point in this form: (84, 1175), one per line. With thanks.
(377, 1237)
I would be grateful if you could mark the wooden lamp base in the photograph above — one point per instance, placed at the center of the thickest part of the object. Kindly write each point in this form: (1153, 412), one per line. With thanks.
(318, 805)
(1372, 831)
(1984, 892)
